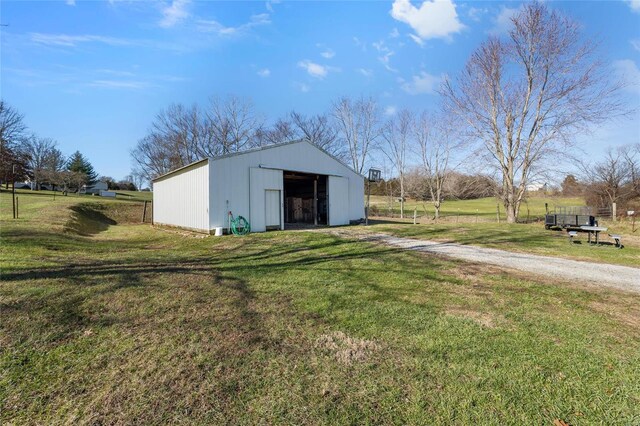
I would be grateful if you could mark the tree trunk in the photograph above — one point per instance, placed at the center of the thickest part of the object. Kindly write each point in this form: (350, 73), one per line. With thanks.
(512, 214)
(401, 197)
(436, 207)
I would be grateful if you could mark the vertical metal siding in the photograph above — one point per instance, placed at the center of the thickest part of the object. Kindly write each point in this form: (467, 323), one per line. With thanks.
(183, 199)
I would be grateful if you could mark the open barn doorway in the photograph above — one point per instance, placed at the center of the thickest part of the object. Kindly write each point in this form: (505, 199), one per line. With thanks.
(305, 199)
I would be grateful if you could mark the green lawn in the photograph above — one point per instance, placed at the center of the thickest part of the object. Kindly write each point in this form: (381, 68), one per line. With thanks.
(484, 208)
(106, 321)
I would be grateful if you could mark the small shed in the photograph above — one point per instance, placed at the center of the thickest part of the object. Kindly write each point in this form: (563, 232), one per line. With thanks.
(285, 185)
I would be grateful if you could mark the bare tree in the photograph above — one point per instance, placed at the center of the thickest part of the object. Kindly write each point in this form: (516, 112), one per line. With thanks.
(12, 134)
(54, 164)
(436, 138)
(611, 178)
(181, 130)
(397, 135)
(358, 128)
(319, 130)
(527, 96)
(232, 123)
(154, 156)
(281, 131)
(631, 155)
(12, 127)
(39, 151)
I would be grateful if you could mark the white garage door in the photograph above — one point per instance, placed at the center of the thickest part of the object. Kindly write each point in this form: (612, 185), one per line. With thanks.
(338, 201)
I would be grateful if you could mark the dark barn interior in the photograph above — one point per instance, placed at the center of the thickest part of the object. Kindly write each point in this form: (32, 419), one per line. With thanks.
(305, 198)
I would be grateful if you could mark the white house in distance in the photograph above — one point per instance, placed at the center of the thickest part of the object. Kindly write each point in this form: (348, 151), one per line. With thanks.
(96, 188)
(291, 183)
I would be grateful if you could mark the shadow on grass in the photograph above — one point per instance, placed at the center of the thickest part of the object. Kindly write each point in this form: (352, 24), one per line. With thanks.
(87, 220)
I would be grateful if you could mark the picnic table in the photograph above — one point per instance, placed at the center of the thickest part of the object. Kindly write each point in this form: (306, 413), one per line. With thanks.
(593, 230)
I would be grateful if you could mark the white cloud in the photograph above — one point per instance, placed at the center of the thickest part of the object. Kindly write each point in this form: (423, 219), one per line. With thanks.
(328, 54)
(434, 18)
(636, 44)
(390, 110)
(634, 5)
(316, 70)
(423, 83)
(119, 84)
(269, 4)
(385, 55)
(394, 33)
(475, 13)
(174, 13)
(365, 72)
(302, 87)
(502, 22)
(73, 40)
(211, 26)
(417, 39)
(360, 44)
(628, 72)
(70, 2)
(265, 72)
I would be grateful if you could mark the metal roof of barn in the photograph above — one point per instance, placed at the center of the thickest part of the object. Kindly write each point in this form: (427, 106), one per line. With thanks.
(252, 150)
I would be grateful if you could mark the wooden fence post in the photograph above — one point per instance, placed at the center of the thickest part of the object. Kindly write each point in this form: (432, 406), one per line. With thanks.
(613, 212)
(144, 212)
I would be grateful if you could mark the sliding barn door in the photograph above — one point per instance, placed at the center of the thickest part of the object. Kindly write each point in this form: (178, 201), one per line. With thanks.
(338, 201)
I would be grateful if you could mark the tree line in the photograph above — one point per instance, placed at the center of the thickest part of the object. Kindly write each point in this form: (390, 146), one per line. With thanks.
(519, 103)
(613, 179)
(25, 156)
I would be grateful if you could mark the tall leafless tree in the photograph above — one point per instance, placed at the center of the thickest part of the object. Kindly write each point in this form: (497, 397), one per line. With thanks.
(282, 131)
(436, 138)
(613, 179)
(319, 130)
(54, 166)
(233, 123)
(358, 124)
(397, 135)
(12, 135)
(180, 135)
(631, 155)
(40, 151)
(527, 96)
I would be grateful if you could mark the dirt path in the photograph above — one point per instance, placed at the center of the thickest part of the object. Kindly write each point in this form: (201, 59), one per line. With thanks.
(621, 277)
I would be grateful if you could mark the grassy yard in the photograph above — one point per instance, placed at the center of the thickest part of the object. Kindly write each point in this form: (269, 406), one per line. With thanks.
(484, 208)
(106, 321)
(528, 238)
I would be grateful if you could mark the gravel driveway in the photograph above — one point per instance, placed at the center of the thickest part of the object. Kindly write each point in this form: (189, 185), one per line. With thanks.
(621, 277)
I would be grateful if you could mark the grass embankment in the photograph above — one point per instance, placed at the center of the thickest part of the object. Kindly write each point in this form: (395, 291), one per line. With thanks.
(133, 324)
(526, 238)
(483, 208)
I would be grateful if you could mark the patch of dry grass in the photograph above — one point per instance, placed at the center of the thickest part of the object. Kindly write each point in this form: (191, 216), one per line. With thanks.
(346, 349)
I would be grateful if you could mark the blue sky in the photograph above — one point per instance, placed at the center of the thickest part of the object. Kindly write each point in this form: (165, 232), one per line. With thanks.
(93, 74)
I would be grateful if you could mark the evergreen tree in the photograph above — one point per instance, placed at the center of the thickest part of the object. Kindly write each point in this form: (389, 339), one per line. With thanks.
(79, 164)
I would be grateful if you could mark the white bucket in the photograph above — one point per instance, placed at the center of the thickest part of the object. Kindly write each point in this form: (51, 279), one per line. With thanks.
(218, 232)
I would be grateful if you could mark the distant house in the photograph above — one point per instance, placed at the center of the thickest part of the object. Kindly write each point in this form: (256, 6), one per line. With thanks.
(24, 185)
(537, 186)
(95, 188)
